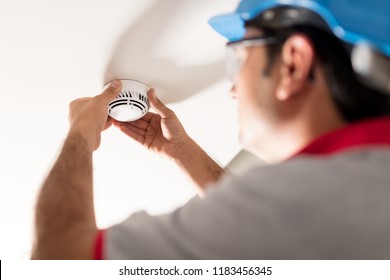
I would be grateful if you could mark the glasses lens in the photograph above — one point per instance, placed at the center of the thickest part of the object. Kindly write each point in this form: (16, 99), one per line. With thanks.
(234, 57)
(233, 63)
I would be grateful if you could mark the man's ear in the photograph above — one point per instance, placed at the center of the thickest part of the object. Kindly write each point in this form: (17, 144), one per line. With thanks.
(297, 61)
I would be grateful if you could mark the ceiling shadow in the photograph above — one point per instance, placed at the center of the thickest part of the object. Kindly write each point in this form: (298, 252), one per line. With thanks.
(134, 56)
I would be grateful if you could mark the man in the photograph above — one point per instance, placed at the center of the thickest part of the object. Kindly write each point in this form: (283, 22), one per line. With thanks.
(302, 106)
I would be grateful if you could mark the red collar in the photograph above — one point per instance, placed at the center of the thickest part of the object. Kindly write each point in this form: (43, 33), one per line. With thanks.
(373, 132)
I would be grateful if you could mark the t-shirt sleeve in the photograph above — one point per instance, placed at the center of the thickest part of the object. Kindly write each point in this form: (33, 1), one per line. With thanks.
(98, 245)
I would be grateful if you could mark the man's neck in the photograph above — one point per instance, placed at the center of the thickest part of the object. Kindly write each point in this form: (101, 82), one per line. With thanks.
(297, 133)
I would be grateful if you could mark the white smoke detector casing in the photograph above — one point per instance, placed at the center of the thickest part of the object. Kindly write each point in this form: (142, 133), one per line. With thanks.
(132, 102)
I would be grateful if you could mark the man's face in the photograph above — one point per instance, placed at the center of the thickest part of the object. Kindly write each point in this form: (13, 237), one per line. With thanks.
(254, 93)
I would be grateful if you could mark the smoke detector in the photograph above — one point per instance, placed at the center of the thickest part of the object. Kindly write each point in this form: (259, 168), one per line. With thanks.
(132, 102)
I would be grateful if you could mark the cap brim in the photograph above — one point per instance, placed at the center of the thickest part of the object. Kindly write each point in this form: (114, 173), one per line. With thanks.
(230, 26)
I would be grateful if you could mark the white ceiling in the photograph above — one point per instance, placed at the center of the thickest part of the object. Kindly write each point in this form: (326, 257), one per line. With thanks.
(52, 52)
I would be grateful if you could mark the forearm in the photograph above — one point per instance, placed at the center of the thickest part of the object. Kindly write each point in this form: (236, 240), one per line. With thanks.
(65, 219)
(198, 165)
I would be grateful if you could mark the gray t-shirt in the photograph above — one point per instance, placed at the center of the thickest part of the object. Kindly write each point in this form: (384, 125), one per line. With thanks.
(311, 207)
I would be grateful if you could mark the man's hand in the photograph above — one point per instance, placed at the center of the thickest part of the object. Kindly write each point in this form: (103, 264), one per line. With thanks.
(162, 132)
(89, 117)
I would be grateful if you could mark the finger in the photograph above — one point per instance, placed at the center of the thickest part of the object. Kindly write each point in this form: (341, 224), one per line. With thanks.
(108, 123)
(116, 123)
(129, 132)
(149, 116)
(133, 128)
(141, 123)
(119, 124)
(160, 107)
(111, 92)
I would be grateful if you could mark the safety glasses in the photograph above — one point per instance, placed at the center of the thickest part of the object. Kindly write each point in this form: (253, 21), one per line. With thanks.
(235, 56)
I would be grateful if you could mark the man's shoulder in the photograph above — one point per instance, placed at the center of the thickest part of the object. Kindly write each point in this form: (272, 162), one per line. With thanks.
(307, 167)
(305, 178)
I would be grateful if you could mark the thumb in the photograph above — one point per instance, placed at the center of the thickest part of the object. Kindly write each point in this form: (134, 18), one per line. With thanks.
(160, 107)
(111, 92)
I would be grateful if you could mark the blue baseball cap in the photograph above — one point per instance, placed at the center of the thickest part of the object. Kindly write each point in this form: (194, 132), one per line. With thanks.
(352, 21)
